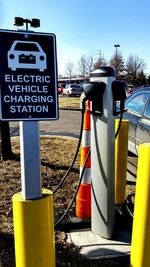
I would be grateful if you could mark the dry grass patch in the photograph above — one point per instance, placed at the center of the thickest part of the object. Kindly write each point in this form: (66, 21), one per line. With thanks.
(69, 102)
(56, 156)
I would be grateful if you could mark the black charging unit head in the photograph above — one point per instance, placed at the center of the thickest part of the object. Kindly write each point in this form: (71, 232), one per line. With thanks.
(94, 92)
(119, 90)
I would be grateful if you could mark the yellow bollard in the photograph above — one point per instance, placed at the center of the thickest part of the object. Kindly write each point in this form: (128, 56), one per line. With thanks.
(121, 153)
(140, 246)
(34, 231)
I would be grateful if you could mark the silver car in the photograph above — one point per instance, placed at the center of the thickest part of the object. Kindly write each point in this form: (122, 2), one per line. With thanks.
(138, 114)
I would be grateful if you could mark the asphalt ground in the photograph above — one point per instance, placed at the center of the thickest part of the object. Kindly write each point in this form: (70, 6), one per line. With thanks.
(68, 124)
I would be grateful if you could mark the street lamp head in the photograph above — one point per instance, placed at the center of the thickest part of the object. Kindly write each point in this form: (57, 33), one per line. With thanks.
(18, 21)
(35, 23)
(116, 45)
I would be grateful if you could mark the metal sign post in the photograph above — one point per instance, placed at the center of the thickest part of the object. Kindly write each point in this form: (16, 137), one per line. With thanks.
(28, 93)
(30, 160)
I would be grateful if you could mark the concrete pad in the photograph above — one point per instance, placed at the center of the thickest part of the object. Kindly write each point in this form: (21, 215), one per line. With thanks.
(94, 246)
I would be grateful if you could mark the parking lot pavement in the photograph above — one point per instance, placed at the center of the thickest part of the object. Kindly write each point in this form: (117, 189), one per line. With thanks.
(132, 168)
(68, 122)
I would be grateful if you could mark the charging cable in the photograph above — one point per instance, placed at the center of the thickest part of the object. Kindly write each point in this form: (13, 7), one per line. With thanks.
(77, 150)
(77, 189)
(122, 110)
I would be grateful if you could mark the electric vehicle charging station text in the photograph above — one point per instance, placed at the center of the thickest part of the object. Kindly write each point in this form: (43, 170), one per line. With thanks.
(103, 91)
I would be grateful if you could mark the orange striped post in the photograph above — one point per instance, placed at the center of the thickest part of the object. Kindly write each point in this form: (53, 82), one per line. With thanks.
(83, 199)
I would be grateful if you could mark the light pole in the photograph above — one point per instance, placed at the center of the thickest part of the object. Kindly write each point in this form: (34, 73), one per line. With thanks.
(116, 46)
(100, 56)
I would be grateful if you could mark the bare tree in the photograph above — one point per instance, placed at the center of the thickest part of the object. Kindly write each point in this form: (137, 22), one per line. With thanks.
(117, 62)
(90, 63)
(83, 66)
(134, 69)
(69, 69)
(101, 61)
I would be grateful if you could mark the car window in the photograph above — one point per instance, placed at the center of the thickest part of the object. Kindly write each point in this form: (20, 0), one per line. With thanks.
(147, 111)
(136, 102)
(26, 47)
(75, 86)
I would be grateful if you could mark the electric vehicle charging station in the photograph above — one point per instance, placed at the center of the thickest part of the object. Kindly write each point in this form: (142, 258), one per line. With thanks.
(101, 90)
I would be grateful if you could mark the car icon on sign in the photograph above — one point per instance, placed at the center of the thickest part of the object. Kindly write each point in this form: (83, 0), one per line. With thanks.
(26, 55)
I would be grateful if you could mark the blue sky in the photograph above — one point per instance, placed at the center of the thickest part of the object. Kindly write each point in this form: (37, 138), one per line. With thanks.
(85, 26)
